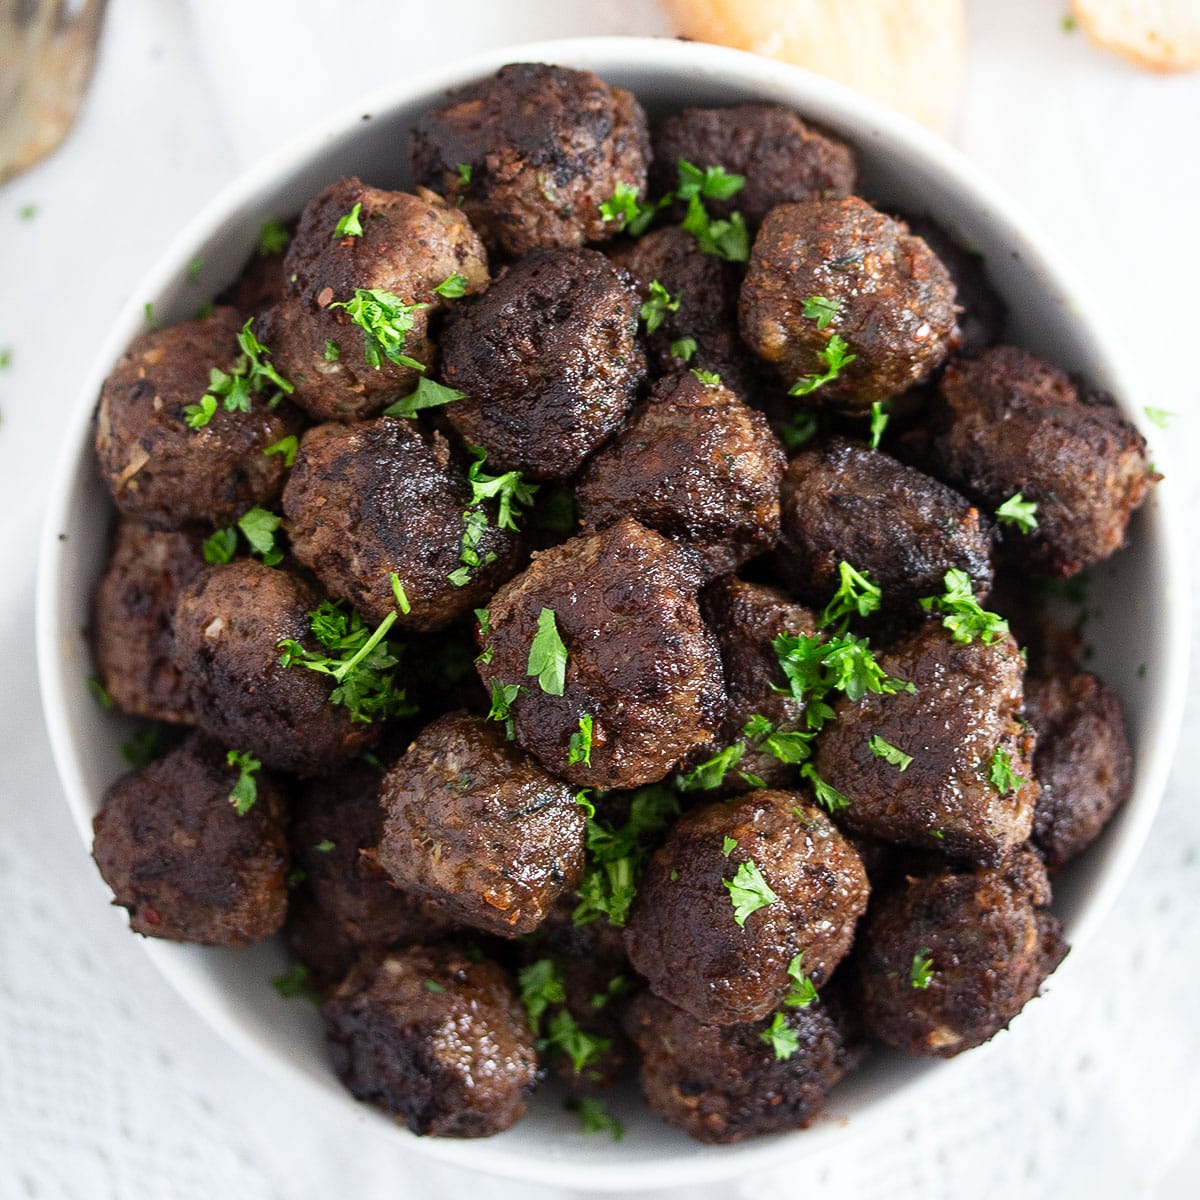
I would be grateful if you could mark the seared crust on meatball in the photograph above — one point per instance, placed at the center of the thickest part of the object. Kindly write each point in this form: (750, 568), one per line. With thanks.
(1083, 762)
(1013, 423)
(133, 619)
(531, 153)
(435, 1039)
(345, 902)
(640, 660)
(986, 941)
(696, 464)
(783, 159)
(723, 1083)
(155, 466)
(378, 498)
(548, 359)
(682, 935)
(409, 246)
(476, 824)
(841, 502)
(228, 625)
(965, 711)
(895, 300)
(177, 855)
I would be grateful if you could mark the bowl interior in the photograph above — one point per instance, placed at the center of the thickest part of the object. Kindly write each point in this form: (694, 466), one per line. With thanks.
(1136, 600)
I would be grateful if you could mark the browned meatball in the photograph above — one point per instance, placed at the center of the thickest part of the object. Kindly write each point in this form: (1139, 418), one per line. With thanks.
(895, 301)
(435, 1039)
(783, 159)
(228, 625)
(696, 464)
(472, 822)
(1083, 762)
(531, 153)
(841, 502)
(548, 359)
(1013, 423)
(963, 716)
(723, 1083)
(379, 498)
(746, 617)
(409, 246)
(978, 945)
(706, 288)
(133, 617)
(177, 855)
(346, 903)
(683, 936)
(263, 280)
(639, 659)
(159, 469)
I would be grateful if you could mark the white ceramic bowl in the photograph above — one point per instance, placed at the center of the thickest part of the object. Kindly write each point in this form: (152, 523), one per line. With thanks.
(1138, 599)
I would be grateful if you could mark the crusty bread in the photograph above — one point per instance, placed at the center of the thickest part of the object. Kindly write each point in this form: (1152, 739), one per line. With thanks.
(908, 53)
(1161, 35)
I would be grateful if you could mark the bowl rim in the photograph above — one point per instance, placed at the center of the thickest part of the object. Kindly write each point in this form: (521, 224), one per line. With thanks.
(734, 68)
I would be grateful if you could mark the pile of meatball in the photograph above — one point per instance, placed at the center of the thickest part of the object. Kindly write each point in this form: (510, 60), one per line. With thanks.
(435, 872)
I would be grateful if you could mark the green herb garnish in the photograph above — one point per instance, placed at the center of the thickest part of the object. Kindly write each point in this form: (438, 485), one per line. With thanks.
(921, 973)
(273, 239)
(548, 655)
(259, 527)
(295, 984)
(221, 546)
(683, 349)
(748, 891)
(888, 752)
(1018, 511)
(784, 1040)
(879, 422)
(595, 1117)
(660, 302)
(349, 225)
(817, 308)
(252, 375)
(453, 287)
(428, 394)
(386, 321)
(963, 615)
(287, 446)
(245, 790)
(801, 990)
(580, 749)
(1000, 771)
(856, 596)
(835, 357)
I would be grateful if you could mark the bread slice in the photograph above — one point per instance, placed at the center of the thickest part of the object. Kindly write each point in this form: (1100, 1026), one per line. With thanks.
(1160, 35)
(911, 54)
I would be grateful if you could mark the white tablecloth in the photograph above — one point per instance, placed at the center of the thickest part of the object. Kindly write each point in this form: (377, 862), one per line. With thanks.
(109, 1086)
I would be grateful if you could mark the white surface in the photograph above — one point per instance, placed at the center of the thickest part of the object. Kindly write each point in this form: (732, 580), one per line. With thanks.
(108, 1087)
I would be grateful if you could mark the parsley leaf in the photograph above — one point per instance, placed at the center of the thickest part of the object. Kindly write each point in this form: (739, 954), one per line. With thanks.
(728, 846)
(856, 596)
(428, 394)
(727, 239)
(784, 1040)
(349, 225)
(295, 984)
(921, 973)
(463, 171)
(801, 990)
(386, 321)
(252, 375)
(564, 1034)
(220, 547)
(259, 526)
(273, 239)
(623, 206)
(452, 287)
(245, 790)
(287, 446)
(332, 350)
(835, 357)
(99, 692)
(503, 695)
(1158, 416)
(748, 891)
(708, 378)
(145, 746)
(828, 797)
(711, 773)
(817, 308)
(324, 846)
(963, 616)
(548, 655)
(1018, 511)
(797, 429)
(713, 183)
(510, 491)
(196, 416)
(683, 349)
(660, 302)
(595, 1117)
(888, 752)
(541, 985)
(879, 422)
(1000, 771)
(402, 601)
(580, 749)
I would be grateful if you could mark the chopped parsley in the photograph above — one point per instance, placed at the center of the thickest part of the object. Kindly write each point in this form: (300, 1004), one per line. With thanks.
(512, 494)
(259, 528)
(145, 746)
(817, 308)
(748, 891)
(623, 206)
(99, 692)
(856, 596)
(684, 348)
(1000, 771)
(324, 846)
(801, 990)
(148, 313)
(194, 268)
(835, 357)
(888, 752)
(503, 695)
(1161, 417)
(1018, 511)
(797, 428)
(220, 547)
(548, 656)
(542, 991)
(783, 1039)
(879, 422)
(962, 614)
(349, 225)
(463, 174)
(711, 773)
(245, 790)
(828, 797)
(453, 287)
(27, 212)
(360, 662)
(428, 394)
(713, 182)
(386, 321)
(921, 973)
(287, 446)
(580, 749)
(402, 601)
(708, 378)
(728, 239)
(273, 239)
(564, 1035)
(728, 846)
(432, 985)
(295, 984)
(332, 350)
(814, 668)
(1069, 24)
(252, 375)
(541, 985)
(595, 1117)
(660, 302)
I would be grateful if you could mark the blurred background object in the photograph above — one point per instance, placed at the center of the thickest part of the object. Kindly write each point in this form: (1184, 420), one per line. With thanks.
(47, 51)
(1160, 35)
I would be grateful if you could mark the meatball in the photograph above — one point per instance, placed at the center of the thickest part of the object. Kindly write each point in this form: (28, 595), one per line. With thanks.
(706, 290)
(368, 501)
(747, 617)
(948, 960)
(969, 789)
(346, 903)
(133, 615)
(1013, 423)
(435, 1039)
(683, 934)
(531, 153)
(844, 503)
(548, 359)
(782, 159)
(723, 1083)
(894, 301)
(348, 364)
(474, 823)
(640, 662)
(158, 468)
(696, 464)
(179, 857)
(263, 280)
(229, 623)
(1083, 762)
